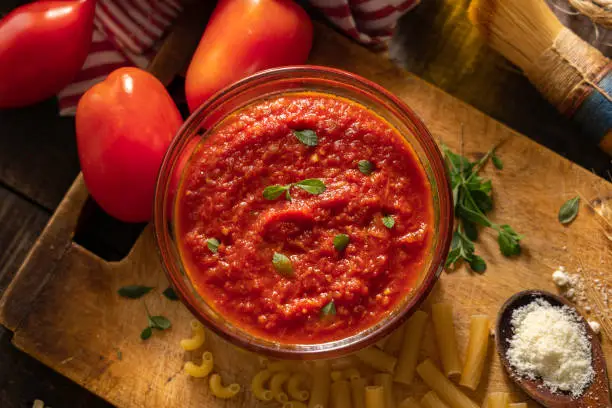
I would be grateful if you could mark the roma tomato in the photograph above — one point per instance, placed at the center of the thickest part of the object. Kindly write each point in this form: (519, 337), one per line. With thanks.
(243, 37)
(124, 126)
(42, 47)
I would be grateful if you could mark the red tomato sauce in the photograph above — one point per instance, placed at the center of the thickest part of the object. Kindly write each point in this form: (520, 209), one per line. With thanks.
(221, 197)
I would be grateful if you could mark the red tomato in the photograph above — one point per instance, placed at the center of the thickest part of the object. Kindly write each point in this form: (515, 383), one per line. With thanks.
(42, 47)
(243, 37)
(124, 126)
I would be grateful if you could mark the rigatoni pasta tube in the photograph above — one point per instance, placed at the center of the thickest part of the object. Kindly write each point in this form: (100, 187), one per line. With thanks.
(442, 316)
(518, 405)
(394, 342)
(443, 386)
(431, 400)
(374, 397)
(340, 394)
(409, 353)
(378, 359)
(498, 400)
(319, 393)
(476, 351)
(386, 381)
(409, 403)
(358, 392)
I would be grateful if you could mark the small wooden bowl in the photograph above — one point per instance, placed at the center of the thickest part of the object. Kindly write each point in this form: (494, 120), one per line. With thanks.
(597, 395)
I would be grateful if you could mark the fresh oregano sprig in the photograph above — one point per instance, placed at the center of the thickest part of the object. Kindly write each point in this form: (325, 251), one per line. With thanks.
(154, 322)
(312, 186)
(472, 200)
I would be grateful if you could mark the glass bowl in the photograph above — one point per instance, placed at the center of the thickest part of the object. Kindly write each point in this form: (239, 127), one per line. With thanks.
(272, 83)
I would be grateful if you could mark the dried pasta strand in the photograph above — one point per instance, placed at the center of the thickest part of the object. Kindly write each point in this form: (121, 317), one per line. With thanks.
(377, 359)
(413, 336)
(431, 400)
(385, 380)
(445, 389)
(340, 394)
(358, 392)
(442, 316)
(480, 326)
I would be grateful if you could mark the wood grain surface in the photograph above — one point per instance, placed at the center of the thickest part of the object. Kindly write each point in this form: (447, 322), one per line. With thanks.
(64, 309)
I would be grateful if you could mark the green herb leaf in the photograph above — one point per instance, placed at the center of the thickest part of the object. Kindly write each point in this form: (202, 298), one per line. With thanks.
(478, 264)
(473, 216)
(159, 322)
(329, 309)
(569, 210)
(170, 293)
(283, 265)
(313, 186)
(134, 291)
(499, 165)
(470, 230)
(508, 241)
(213, 244)
(341, 241)
(307, 137)
(120, 354)
(146, 333)
(366, 167)
(388, 221)
(483, 201)
(275, 191)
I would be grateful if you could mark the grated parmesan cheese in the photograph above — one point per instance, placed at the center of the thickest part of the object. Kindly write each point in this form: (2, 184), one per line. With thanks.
(550, 343)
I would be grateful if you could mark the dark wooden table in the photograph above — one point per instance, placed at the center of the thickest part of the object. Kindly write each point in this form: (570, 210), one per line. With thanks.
(38, 162)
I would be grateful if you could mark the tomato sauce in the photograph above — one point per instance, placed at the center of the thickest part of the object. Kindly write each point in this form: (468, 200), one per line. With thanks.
(330, 293)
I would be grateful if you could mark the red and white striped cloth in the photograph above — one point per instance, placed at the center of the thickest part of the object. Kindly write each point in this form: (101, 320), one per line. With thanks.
(127, 31)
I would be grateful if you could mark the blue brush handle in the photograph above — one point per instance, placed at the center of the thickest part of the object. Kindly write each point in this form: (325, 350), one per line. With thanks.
(595, 115)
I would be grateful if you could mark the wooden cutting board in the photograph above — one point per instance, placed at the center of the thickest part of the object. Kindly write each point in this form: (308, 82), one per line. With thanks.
(64, 309)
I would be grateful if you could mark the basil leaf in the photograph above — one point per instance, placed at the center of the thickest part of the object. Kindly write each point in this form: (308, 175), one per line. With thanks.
(569, 210)
(159, 322)
(275, 191)
(170, 293)
(388, 221)
(497, 162)
(341, 241)
(134, 291)
(283, 265)
(478, 264)
(213, 244)
(146, 333)
(366, 167)
(307, 137)
(329, 309)
(313, 186)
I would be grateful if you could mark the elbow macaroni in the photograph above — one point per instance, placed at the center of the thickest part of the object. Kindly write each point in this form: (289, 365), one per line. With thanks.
(257, 385)
(276, 386)
(198, 338)
(293, 387)
(202, 370)
(219, 391)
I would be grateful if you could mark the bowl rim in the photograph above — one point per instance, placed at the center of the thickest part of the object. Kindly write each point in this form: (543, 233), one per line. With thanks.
(434, 159)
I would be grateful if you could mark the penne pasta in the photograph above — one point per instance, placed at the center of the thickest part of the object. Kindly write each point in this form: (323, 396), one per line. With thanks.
(381, 343)
(358, 392)
(476, 352)
(257, 385)
(409, 353)
(336, 375)
(498, 400)
(202, 370)
(351, 373)
(377, 359)
(442, 316)
(319, 393)
(374, 397)
(394, 342)
(431, 400)
(293, 386)
(341, 363)
(385, 380)
(197, 339)
(518, 405)
(219, 391)
(445, 389)
(410, 403)
(276, 386)
(340, 394)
